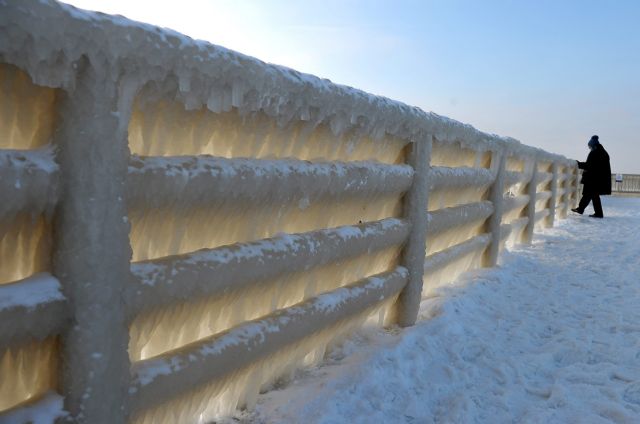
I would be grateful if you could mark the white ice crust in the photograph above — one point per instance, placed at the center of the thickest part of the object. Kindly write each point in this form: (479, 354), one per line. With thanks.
(31, 292)
(216, 271)
(44, 411)
(159, 181)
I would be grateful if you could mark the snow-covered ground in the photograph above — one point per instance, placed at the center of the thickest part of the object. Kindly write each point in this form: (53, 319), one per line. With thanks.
(551, 335)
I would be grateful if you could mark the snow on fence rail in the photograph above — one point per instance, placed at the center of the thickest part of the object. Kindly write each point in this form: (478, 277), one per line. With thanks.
(181, 225)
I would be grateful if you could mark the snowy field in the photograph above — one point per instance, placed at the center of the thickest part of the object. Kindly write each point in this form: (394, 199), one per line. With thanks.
(552, 335)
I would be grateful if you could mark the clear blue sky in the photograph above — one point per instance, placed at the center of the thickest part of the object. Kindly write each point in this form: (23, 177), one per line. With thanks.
(549, 73)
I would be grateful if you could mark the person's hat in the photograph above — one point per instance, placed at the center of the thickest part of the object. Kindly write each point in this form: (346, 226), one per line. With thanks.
(594, 141)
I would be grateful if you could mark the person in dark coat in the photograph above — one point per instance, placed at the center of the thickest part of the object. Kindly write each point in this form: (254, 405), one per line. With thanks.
(596, 178)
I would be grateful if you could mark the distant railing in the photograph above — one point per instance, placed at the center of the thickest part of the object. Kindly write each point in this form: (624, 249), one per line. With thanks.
(625, 183)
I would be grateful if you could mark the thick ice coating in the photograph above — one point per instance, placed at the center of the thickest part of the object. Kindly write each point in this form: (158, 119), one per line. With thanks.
(199, 75)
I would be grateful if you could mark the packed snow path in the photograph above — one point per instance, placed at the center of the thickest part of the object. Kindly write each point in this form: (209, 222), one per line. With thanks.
(551, 335)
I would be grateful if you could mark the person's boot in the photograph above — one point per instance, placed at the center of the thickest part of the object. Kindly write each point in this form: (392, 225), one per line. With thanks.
(576, 210)
(596, 216)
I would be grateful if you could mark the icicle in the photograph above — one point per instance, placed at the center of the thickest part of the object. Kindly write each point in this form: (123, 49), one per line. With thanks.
(27, 371)
(159, 331)
(219, 398)
(26, 110)
(166, 129)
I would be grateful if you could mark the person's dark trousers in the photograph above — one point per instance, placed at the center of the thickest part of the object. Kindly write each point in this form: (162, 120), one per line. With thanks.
(597, 205)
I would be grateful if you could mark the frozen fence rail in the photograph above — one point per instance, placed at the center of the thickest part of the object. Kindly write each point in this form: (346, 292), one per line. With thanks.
(222, 220)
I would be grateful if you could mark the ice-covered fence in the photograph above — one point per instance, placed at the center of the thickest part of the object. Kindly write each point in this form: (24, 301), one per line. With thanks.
(182, 226)
(625, 183)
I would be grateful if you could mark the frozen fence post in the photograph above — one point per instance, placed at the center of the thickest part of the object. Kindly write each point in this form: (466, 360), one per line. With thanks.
(567, 191)
(415, 212)
(574, 185)
(92, 254)
(554, 195)
(578, 186)
(496, 196)
(527, 235)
